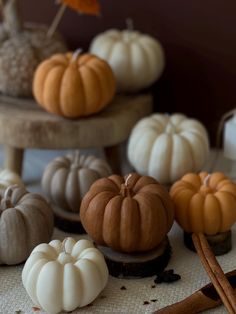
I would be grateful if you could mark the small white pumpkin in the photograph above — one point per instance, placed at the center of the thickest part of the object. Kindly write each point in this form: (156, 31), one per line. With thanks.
(136, 59)
(61, 276)
(66, 179)
(8, 177)
(168, 146)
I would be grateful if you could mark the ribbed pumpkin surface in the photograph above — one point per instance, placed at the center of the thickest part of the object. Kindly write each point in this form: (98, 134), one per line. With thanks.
(204, 203)
(128, 217)
(73, 86)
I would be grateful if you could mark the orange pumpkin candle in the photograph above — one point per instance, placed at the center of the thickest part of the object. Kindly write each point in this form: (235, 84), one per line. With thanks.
(206, 203)
(74, 85)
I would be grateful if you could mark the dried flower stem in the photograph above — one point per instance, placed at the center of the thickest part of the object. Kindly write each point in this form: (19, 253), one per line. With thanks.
(56, 20)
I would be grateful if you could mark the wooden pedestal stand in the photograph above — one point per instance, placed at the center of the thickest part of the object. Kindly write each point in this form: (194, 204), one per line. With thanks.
(67, 221)
(220, 243)
(23, 124)
(137, 265)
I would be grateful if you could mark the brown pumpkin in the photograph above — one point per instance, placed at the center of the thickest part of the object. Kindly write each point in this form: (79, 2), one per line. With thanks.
(128, 215)
(66, 179)
(204, 202)
(74, 85)
(26, 220)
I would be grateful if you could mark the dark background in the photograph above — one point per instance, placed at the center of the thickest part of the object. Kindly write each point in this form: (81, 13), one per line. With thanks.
(199, 38)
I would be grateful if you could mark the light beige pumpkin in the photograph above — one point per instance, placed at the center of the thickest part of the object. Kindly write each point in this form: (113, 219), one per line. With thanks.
(74, 85)
(127, 214)
(136, 59)
(168, 146)
(204, 202)
(8, 177)
(67, 179)
(26, 220)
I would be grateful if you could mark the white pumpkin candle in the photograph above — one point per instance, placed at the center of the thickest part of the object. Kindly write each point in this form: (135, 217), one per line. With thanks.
(61, 276)
(136, 59)
(168, 146)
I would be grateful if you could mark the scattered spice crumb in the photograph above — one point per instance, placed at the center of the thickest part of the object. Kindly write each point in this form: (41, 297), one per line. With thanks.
(167, 276)
(153, 300)
(145, 302)
(123, 288)
(35, 308)
(102, 297)
(153, 286)
(18, 312)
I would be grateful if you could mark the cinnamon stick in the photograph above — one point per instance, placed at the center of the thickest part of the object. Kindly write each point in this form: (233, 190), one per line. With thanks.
(215, 272)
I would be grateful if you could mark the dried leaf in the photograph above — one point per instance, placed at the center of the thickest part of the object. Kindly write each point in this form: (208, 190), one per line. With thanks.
(83, 6)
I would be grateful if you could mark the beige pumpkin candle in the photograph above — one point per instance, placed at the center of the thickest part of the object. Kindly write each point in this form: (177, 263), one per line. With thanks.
(8, 177)
(26, 220)
(74, 84)
(66, 179)
(61, 276)
(205, 203)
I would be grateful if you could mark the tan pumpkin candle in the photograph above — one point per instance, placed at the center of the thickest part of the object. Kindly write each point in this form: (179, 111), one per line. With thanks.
(128, 215)
(74, 85)
(26, 220)
(205, 202)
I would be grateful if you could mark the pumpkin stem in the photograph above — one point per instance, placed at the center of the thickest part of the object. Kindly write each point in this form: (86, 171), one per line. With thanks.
(11, 17)
(206, 180)
(76, 160)
(76, 54)
(130, 24)
(5, 204)
(125, 191)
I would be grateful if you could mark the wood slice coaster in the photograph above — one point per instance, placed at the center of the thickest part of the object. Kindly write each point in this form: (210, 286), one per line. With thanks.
(67, 221)
(220, 243)
(137, 265)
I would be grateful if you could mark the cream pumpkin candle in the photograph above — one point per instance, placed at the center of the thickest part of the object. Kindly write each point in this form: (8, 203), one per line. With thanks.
(136, 59)
(61, 276)
(206, 203)
(168, 146)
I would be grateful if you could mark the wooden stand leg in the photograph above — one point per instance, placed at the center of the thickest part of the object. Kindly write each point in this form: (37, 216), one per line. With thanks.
(14, 159)
(113, 157)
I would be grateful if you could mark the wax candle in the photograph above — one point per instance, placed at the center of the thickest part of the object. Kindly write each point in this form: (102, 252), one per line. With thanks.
(61, 276)
(205, 203)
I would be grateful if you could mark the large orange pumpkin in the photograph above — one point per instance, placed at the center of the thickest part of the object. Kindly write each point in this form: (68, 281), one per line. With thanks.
(128, 215)
(74, 85)
(204, 202)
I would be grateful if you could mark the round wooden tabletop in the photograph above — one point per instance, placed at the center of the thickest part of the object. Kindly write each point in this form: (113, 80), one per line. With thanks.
(24, 124)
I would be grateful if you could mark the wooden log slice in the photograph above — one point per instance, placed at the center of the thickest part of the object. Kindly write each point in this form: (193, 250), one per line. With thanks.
(67, 221)
(137, 265)
(220, 243)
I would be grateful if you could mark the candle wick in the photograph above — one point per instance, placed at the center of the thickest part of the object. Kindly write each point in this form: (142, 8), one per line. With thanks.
(76, 54)
(130, 24)
(127, 179)
(64, 245)
(206, 180)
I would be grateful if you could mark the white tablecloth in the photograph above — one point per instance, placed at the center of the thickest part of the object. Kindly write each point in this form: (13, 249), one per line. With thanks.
(113, 299)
